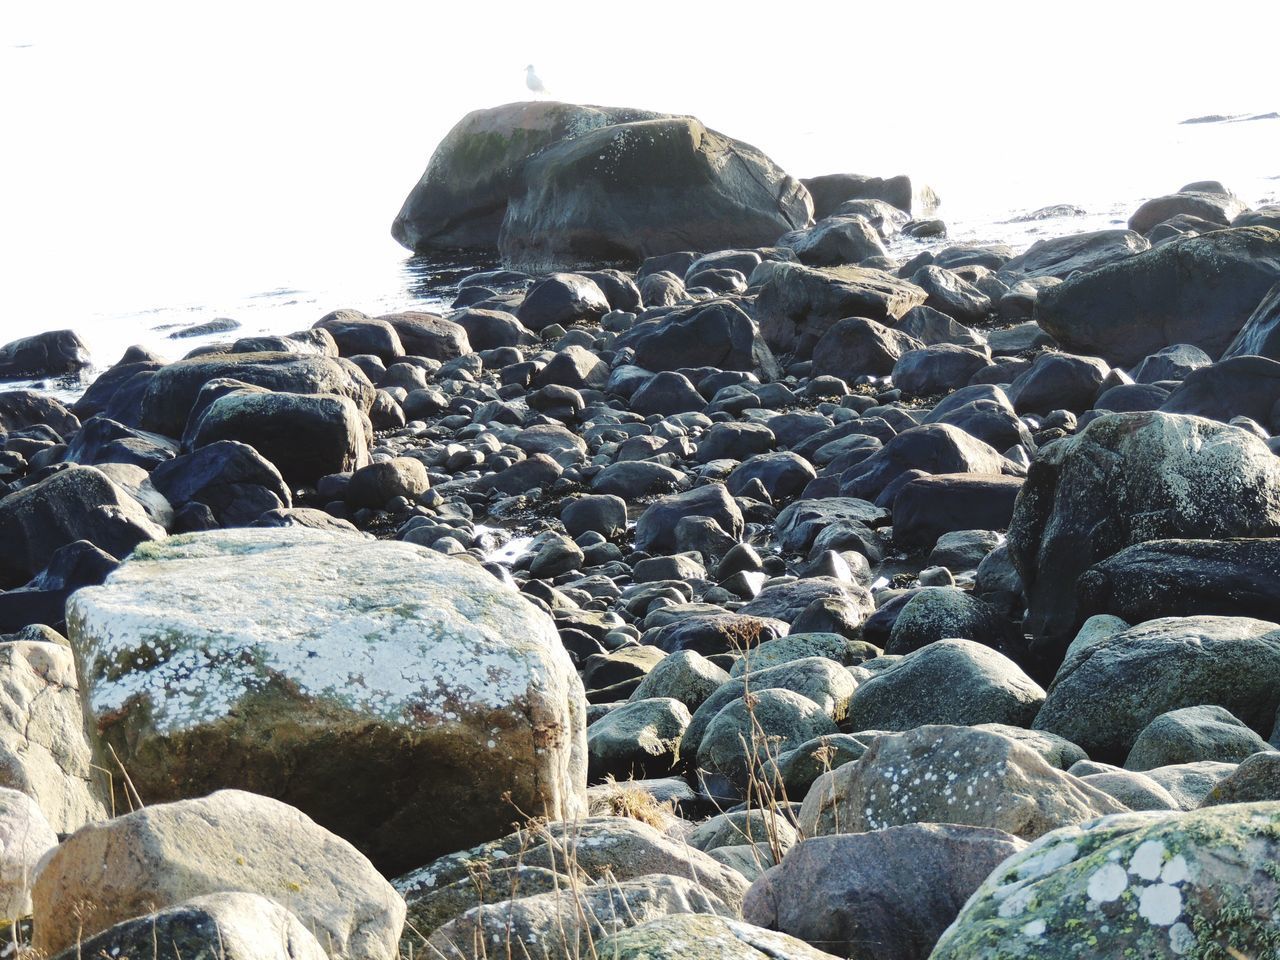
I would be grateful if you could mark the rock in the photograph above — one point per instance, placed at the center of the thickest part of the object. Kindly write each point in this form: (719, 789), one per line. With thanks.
(1192, 734)
(536, 471)
(102, 440)
(78, 503)
(1058, 381)
(938, 613)
(783, 474)
(665, 394)
(171, 393)
(167, 853)
(684, 675)
(21, 409)
(575, 367)
(603, 513)
(1172, 363)
(700, 936)
(751, 730)
(1237, 387)
(1136, 791)
(305, 436)
(1217, 207)
(833, 189)
(663, 289)
(655, 530)
(54, 353)
(948, 293)
(797, 646)
(964, 549)
(554, 440)
(934, 448)
(1190, 783)
(490, 329)
(716, 334)
(932, 327)
(234, 926)
(1062, 256)
(634, 190)
(1199, 291)
(787, 601)
(711, 634)
(1145, 885)
(744, 826)
(232, 479)
(955, 682)
(562, 298)
(1104, 695)
(855, 346)
(43, 749)
(930, 507)
(427, 335)
(288, 706)
(631, 479)
(836, 240)
(1124, 479)
(1257, 778)
(25, 838)
(563, 925)
(1178, 578)
(936, 369)
(639, 739)
(734, 441)
(378, 483)
(461, 199)
(798, 304)
(884, 895)
(957, 775)
(359, 335)
(1260, 335)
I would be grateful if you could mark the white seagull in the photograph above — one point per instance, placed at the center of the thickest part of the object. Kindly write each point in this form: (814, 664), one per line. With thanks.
(533, 81)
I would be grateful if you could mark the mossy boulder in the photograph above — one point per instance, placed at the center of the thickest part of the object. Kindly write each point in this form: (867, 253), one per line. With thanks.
(1203, 884)
(290, 661)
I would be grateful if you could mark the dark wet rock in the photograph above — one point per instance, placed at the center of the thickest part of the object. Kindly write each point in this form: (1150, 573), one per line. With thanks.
(855, 346)
(1058, 381)
(711, 634)
(832, 190)
(934, 448)
(487, 329)
(836, 240)
(931, 326)
(1173, 363)
(1198, 291)
(928, 507)
(784, 475)
(798, 304)
(103, 440)
(562, 298)
(663, 289)
(574, 366)
(537, 471)
(717, 334)
(949, 294)
(618, 287)
(937, 369)
(428, 335)
(734, 441)
(53, 354)
(1062, 256)
(602, 513)
(1238, 387)
(22, 409)
(1131, 398)
(1106, 693)
(357, 334)
(1178, 578)
(991, 256)
(1217, 207)
(232, 479)
(1124, 479)
(655, 530)
(667, 393)
(983, 411)
(375, 485)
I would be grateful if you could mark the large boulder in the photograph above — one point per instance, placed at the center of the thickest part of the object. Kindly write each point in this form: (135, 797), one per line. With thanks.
(562, 298)
(1062, 256)
(882, 895)
(856, 346)
(1215, 206)
(1260, 335)
(20, 409)
(836, 240)
(1124, 479)
(1107, 692)
(428, 335)
(640, 189)
(1151, 885)
(232, 479)
(928, 507)
(942, 774)
(461, 199)
(833, 189)
(655, 530)
(52, 354)
(171, 392)
(164, 854)
(440, 698)
(43, 748)
(798, 304)
(933, 448)
(1177, 578)
(717, 334)
(1241, 386)
(1199, 290)
(78, 503)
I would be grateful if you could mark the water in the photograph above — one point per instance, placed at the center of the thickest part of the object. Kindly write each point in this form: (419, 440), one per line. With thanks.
(166, 168)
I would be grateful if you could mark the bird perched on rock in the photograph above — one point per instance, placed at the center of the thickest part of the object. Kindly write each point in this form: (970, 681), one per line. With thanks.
(533, 81)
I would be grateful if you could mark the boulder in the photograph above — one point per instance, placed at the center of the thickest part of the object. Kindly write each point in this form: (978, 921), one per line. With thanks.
(1172, 363)
(856, 346)
(655, 530)
(55, 353)
(1156, 885)
(44, 752)
(78, 503)
(21, 409)
(1256, 778)
(929, 507)
(1218, 207)
(702, 936)
(938, 613)
(1058, 381)
(1062, 256)
(1244, 386)
(232, 479)
(1260, 335)
(428, 335)
(798, 304)
(941, 774)
(229, 926)
(166, 853)
(948, 293)
(717, 334)
(1198, 291)
(564, 299)
(833, 189)
(1192, 734)
(884, 895)
(1105, 694)
(306, 436)
(637, 740)
(25, 838)
(956, 682)
(933, 448)
(422, 683)
(1124, 479)
(836, 240)
(1178, 578)
(490, 329)
(937, 369)
(170, 394)
(638, 189)
(358, 335)
(375, 485)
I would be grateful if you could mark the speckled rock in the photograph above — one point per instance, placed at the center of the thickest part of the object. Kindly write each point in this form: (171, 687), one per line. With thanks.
(690, 936)
(25, 837)
(1143, 885)
(637, 740)
(219, 926)
(941, 774)
(419, 681)
(164, 854)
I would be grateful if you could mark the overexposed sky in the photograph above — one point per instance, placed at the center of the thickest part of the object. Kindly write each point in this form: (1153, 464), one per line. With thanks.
(150, 141)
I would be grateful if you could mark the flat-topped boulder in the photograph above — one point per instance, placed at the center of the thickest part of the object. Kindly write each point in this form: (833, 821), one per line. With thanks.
(288, 661)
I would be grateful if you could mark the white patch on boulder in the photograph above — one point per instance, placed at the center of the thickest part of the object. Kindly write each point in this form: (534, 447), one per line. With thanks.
(1107, 883)
(1160, 904)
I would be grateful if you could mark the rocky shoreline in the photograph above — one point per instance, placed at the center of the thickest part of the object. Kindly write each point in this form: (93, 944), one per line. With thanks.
(867, 608)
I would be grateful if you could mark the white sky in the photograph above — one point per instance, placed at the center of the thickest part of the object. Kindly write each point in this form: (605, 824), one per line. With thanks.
(142, 135)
